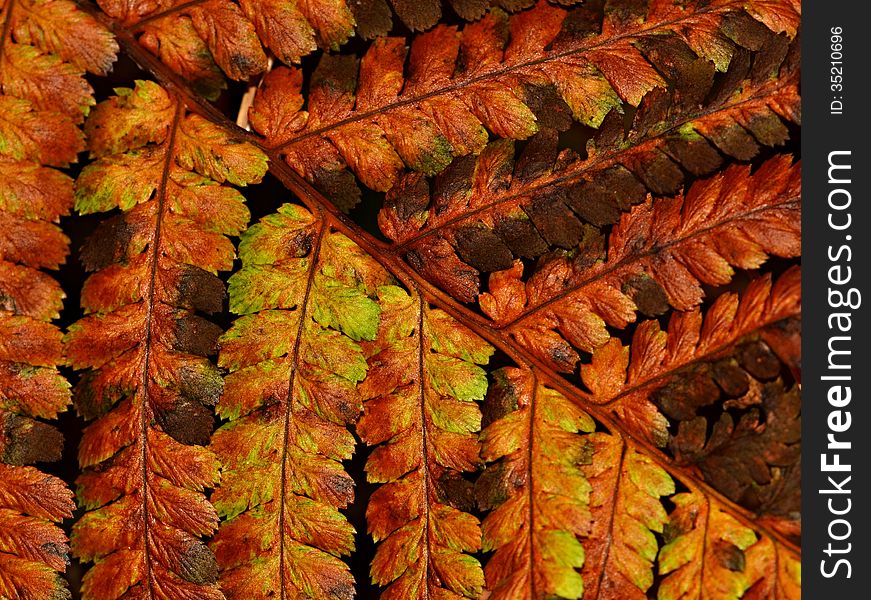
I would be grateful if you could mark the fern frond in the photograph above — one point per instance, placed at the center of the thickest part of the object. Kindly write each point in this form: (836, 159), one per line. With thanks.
(752, 455)
(537, 492)
(627, 504)
(624, 379)
(198, 40)
(709, 554)
(706, 552)
(60, 27)
(149, 382)
(33, 550)
(201, 39)
(421, 414)
(671, 471)
(502, 74)
(710, 391)
(658, 255)
(48, 48)
(719, 384)
(485, 212)
(45, 49)
(578, 513)
(307, 296)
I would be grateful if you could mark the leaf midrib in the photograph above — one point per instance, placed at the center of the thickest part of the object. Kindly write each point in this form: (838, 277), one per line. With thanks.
(288, 409)
(612, 514)
(151, 301)
(423, 441)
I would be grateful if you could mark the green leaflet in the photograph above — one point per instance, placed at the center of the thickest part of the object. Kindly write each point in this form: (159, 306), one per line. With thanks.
(295, 360)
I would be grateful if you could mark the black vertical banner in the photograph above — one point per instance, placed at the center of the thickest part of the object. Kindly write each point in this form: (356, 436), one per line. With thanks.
(836, 298)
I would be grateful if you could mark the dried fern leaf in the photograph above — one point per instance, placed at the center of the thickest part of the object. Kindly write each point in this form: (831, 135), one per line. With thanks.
(709, 554)
(47, 48)
(658, 255)
(44, 52)
(325, 334)
(33, 548)
(718, 383)
(625, 380)
(148, 382)
(712, 392)
(200, 40)
(421, 414)
(627, 504)
(535, 488)
(203, 40)
(577, 513)
(419, 108)
(481, 214)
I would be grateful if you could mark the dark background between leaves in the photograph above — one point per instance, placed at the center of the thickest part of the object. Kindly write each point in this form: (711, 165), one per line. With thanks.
(264, 199)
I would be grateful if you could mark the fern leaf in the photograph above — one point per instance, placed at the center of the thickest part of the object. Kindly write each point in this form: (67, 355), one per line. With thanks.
(711, 392)
(672, 472)
(149, 383)
(485, 212)
(295, 359)
(574, 512)
(292, 30)
(43, 43)
(203, 38)
(421, 414)
(752, 454)
(33, 551)
(197, 40)
(732, 415)
(581, 64)
(538, 494)
(658, 255)
(579, 513)
(708, 554)
(60, 28)
(624, 380)
(627, 507)
(176, 42)
(48, 48)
